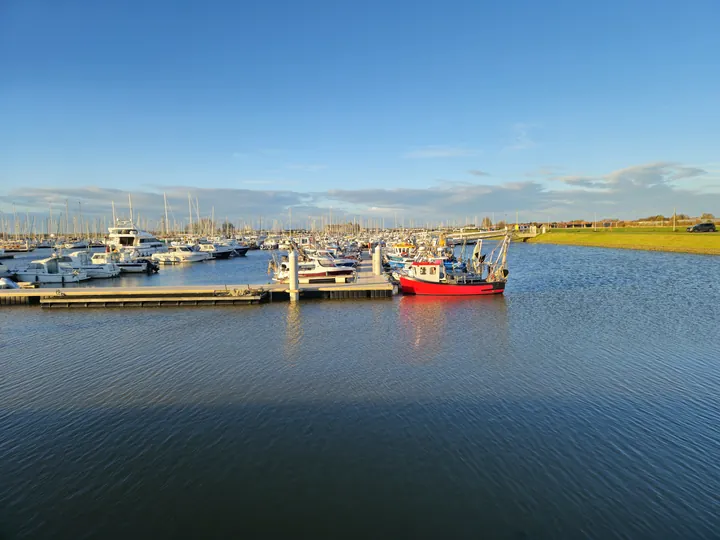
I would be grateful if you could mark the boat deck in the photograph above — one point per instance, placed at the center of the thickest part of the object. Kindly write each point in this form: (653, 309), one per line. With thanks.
(366, 285)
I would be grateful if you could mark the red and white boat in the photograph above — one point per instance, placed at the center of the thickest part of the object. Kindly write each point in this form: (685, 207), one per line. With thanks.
(433, 278)
(315, 268)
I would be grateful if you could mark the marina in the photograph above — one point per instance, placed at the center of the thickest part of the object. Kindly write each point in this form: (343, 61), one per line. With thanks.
(323, 267)
(359, 270)
(578, 394)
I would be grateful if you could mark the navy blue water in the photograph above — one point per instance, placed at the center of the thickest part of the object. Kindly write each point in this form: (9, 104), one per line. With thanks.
(582, 404)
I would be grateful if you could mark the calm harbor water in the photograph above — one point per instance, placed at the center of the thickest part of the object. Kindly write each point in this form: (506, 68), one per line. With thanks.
(582, 404)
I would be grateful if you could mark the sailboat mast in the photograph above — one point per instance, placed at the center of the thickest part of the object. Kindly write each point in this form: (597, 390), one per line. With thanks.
(190, 212)
(166, 214)
(130, 205)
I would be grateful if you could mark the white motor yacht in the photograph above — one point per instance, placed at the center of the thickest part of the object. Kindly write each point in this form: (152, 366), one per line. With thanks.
(51, 270)
(125, 236)
(180, 254)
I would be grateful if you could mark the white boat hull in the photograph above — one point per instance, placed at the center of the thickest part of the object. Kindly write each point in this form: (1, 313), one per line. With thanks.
(102, 273)
(50, 278)
(175, 258)
(133, 268)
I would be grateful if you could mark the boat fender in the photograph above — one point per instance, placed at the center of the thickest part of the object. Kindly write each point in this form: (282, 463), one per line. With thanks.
(62, 279)
(37, 278)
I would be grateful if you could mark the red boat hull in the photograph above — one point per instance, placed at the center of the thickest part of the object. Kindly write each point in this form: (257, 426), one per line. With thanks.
(415, 286)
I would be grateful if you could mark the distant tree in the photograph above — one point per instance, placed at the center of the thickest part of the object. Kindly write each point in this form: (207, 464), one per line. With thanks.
(227, 229)
(486, 223)
(707, 215)
(500, 224)
(202, 227)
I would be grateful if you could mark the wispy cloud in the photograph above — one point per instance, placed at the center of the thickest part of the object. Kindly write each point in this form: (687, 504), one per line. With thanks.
(521, 137)
(258, 182)
(544, 170)
(429, 152)
(477, 172)
(307, 167)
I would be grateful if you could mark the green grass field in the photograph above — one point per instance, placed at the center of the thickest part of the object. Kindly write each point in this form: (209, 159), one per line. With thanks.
(649, 238)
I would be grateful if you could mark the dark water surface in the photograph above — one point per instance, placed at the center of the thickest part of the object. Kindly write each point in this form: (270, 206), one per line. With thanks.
(585, 403)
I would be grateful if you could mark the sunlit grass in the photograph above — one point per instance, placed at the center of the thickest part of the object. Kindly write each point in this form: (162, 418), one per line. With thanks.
(649, 238)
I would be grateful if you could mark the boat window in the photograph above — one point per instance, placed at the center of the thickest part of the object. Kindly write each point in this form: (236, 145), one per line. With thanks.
(423, 270)
(433, 270)
(326, 263)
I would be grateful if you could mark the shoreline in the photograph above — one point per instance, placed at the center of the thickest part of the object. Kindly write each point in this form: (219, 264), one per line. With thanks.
(664, 241)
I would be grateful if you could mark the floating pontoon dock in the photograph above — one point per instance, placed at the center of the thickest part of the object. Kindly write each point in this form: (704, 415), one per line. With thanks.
(366, 285)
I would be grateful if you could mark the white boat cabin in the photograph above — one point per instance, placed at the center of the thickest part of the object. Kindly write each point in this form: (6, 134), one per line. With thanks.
(432, 271)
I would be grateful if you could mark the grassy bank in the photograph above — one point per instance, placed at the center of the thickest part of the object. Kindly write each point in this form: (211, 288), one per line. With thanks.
(649, 238)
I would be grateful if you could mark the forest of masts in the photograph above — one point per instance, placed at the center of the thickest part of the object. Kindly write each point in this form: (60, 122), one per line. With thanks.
(70, 223)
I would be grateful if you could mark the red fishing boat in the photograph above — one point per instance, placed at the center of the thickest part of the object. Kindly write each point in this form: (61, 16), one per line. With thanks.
(433, 278)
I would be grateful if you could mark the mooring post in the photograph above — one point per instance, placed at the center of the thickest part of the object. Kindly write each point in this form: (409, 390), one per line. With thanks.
(377, 262)
(293, 281)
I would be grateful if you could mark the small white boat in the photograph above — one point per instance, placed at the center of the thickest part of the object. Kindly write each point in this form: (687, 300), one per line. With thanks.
(81, 260)
(180, 254)
(51, 270)
(315, 269)
(240, 248)
(216, 251)
(337, 261)
(125, 262)
(7, 283)
(77, 244)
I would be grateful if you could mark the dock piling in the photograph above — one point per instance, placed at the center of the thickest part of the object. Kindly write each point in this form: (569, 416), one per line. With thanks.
(377, 262)
(293, 281)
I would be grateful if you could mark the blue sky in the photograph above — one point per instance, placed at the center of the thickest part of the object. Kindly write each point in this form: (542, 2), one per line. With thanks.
(374, 108)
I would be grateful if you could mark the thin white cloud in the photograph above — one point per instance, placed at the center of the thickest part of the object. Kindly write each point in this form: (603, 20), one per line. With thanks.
(430, 152)
(521, 137)
(477, 172)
